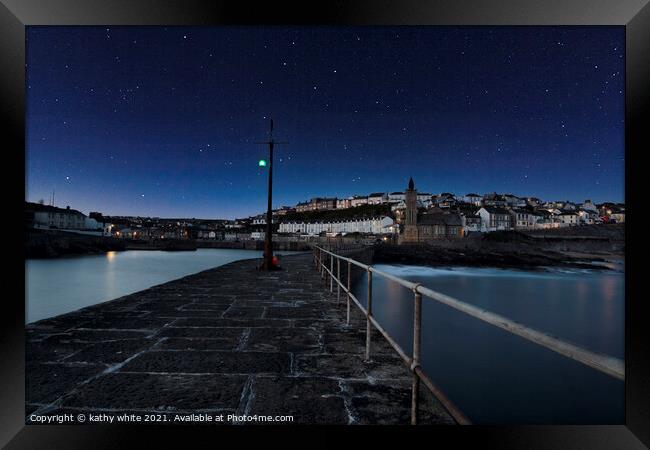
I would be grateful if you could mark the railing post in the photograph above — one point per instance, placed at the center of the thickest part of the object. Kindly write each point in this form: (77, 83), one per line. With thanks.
(349, 279)
(417, 331)
(368, 314)
(331, 272)
(338, 279)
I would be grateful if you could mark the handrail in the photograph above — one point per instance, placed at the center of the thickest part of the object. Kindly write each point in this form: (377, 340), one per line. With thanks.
(604, 363)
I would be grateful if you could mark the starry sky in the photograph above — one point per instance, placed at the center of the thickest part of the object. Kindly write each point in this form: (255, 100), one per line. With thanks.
(165, 121)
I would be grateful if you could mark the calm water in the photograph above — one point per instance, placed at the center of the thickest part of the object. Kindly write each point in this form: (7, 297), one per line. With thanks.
(496, 377)
(57, 286)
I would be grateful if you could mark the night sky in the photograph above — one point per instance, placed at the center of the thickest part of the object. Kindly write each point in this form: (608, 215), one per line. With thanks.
(164, 121)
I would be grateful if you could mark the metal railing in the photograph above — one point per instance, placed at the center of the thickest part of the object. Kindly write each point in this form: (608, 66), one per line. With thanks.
(603, 363)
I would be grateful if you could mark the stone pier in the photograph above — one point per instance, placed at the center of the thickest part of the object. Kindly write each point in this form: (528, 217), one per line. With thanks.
(229, 340)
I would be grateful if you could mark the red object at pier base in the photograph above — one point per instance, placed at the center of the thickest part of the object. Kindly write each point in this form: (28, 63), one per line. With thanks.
(275, 261)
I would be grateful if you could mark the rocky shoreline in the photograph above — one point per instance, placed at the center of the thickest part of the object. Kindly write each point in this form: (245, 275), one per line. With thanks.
(511, 250)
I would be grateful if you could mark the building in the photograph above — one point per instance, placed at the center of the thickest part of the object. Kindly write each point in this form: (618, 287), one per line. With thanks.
(260, 219)
(283, 211)
(367, 225)
(494, 199)
(410, 220)
(440, 225)
(445, 200)
(533, 201)
(588, 217)
(617, 217)
(494, 218)
(568, 218)
(46, 216)
(317, 204)
(473, 199)
(377, 198)
(425, 199)
(472, 224)
(344, 203)
(433, 224)
(512, 201)
(396, 197)
(588, 205)
(523, 219)
(206, 234)
(358, 200)
(230, 224)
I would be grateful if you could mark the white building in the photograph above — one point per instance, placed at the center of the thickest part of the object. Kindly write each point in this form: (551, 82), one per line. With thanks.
(589, 206)
(233, 224)
(358, 200)
(474, 199)
(524, 219)
(45, 216)
(396, 197)
(206, 234)
(588, 216)
(372, 225)
(424, 199)
(232, 236)
(618, 217)
(343, 203)
(493, 218)
(377, 198)
(568, 218)
(513, 201)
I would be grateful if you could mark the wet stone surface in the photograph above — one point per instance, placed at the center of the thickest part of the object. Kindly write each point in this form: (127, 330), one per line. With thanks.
(229, 340)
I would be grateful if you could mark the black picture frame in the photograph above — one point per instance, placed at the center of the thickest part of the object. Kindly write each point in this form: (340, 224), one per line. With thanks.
(634, 15)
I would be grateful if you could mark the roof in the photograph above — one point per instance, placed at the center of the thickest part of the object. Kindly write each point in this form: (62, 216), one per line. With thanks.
(435, 218)
(495, 210)
(329, 221)
(472, 195)
(37, 207)
(397, 193)
(377, 194)
(524, 211)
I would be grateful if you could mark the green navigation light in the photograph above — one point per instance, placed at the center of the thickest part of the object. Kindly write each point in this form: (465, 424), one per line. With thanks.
(262, 163)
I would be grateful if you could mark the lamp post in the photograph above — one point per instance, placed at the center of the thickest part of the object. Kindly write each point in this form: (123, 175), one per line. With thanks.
(268, 242)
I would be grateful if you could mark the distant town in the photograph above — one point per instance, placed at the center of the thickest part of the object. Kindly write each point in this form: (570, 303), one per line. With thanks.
(405, 216)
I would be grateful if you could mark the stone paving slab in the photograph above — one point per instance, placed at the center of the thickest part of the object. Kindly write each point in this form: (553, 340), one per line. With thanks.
(209, 361)
(161, 392)
(230, 339)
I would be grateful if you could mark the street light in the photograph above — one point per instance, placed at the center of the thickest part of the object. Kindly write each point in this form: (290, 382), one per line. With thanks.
(270, 262)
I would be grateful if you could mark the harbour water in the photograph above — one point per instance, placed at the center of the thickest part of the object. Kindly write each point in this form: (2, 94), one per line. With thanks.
(57, 286)
(499, 378)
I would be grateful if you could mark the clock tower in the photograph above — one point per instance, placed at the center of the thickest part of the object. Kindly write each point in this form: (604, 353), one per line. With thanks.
(410, 234)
